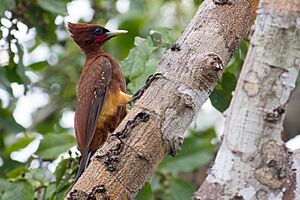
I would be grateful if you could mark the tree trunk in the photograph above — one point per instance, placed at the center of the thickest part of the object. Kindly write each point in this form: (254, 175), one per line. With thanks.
(253, 162)
(156, 124)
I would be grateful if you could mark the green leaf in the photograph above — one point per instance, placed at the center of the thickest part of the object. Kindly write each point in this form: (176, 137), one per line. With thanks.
(163, 37)
(38, 65)
(50, 191)
(145, 193)
(20, 143)
(198, 2)
(3, 187)
(19, 190)
(208, 134)
(2, 144)
(134, 65)
(11, 73)
(20, 67)
(243, 50)
(197, 150)
(150, 68)
(16, 173)
(43, 21)
(228, 82)
(236, 62)
(8, 123)
(194, 154)
(8, 165)
(61, 170)
(49, 123)
(41, 174)
(181, 189)
(15, 72)
(120, 46)
(62, 191)
(54, 144)
(222, 94)
(143, 59)
(4, 82)
(53, 6)
(219, 98)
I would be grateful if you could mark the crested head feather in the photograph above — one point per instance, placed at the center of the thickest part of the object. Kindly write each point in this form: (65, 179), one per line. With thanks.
(83, 36)
(76, 29)
(90, 37)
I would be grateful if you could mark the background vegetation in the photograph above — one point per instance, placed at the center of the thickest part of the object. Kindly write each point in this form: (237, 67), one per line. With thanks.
(47, 171)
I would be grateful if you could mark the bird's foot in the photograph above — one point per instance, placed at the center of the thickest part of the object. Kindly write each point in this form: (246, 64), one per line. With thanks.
(141, 91)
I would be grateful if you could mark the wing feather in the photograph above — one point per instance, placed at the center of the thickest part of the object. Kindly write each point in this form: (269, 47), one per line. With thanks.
(92, 91)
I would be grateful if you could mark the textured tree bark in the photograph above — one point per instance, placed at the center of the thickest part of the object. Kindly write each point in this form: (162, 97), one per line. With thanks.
(295, 191)
(155, 125)
(253, 162)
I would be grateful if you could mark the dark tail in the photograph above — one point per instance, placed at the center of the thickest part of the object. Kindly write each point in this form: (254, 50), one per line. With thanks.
(84, 162)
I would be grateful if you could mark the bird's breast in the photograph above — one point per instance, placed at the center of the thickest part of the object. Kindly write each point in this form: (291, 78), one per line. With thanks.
(111, 105)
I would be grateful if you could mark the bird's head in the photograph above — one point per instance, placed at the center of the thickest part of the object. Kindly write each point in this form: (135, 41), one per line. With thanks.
(90, 36)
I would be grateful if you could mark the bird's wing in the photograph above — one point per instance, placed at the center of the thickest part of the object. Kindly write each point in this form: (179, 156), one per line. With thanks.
(92, 90)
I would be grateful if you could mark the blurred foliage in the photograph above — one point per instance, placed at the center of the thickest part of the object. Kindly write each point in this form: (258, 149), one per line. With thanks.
(143, 59)
(47, 171)
(196, 145)
(222, 94)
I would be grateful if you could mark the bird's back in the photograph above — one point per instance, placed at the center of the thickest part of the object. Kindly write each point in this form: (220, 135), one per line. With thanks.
(113, 109)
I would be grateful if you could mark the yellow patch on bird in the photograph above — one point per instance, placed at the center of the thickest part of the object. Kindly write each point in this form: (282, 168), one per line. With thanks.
(111, 104)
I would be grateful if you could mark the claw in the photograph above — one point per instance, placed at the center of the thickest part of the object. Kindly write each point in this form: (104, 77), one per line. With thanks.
(141, 91)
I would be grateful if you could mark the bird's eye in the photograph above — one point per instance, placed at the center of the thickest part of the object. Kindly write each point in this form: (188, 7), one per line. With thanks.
(98, 31)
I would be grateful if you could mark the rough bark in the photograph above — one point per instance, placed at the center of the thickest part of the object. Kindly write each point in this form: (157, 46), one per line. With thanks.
(156, 124)
(295, 192)
(253, 162)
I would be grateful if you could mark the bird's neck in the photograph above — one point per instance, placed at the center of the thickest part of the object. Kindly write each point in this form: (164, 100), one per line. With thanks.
(92, 52)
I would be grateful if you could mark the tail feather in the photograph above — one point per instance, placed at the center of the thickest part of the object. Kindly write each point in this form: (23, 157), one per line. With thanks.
(85, 161)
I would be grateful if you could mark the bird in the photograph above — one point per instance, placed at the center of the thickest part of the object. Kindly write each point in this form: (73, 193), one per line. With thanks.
(101, 91)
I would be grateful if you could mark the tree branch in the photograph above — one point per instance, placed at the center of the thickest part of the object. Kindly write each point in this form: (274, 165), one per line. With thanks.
(295, 192)
(253, 162)
(156, 124)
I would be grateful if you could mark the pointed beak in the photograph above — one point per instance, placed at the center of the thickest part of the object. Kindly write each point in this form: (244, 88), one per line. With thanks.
(115, 33)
